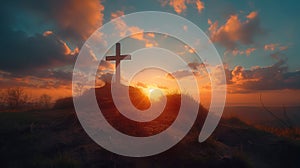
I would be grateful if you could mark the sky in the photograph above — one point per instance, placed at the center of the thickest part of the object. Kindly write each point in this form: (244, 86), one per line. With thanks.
(258, 42)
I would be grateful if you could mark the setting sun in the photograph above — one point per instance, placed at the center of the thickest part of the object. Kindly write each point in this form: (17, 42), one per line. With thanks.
(151, 90)
(153, 93)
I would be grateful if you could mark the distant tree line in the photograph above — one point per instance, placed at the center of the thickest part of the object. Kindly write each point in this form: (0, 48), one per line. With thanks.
(16, 99)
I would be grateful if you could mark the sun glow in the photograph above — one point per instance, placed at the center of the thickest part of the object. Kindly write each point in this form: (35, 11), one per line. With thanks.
(153, 93)
(151, 90)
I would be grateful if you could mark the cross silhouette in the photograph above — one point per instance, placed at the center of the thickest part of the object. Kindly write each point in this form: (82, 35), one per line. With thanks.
(118, 57)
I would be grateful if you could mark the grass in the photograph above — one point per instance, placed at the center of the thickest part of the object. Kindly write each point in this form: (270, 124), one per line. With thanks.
(21, 145)
(54, 138)
(59, 160)
(291, 133)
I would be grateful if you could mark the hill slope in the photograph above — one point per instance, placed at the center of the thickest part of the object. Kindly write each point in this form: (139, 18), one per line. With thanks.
(56, 139)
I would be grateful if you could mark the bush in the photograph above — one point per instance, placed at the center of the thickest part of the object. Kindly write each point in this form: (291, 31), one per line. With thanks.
(64, 103)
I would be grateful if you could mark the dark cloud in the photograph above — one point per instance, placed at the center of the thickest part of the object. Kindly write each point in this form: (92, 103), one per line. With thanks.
(24, 47)
(25, 52)
(241, 80)
(106, 77)
(195, 68)
(33, 36)
(196, 65)
(21, 53)
(71, 19)
(275, 77)
(182, 74)
(34, 82)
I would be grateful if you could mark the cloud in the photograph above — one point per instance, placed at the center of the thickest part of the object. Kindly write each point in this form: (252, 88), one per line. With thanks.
(41, 39)
(117, 14)
(189, 49)
(138, 33)
(271, 46)
(235, 32)
(248, 51)
(278, 55)
(23, 53)
(275, 77)
(37, 60)
(73, 19)
(180, 6)
(141, 84)
(197, 65)
(236, 52)
(26, 50)
(106, 77)
(275, 46)
(47, 80)
(195, 68)
(241, 80)
(252, 15)
(105, 65)
(185, 28)
(181, 74)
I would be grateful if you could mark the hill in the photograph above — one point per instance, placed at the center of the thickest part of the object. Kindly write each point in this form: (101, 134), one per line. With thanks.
(56, 139)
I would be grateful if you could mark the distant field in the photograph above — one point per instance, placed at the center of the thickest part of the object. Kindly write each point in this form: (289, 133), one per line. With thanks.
(259, 116)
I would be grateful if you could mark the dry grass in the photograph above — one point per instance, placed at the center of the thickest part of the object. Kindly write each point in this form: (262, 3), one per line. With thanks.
(292, 133)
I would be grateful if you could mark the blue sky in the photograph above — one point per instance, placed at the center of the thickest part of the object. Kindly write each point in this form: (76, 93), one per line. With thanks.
(257, 40)
(277, 19)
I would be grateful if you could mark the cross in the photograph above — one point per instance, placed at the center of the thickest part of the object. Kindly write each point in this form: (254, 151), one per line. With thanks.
(118, 57)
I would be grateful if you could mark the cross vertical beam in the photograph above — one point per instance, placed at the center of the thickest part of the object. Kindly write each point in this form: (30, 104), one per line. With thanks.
(118, 57)
(118, 69)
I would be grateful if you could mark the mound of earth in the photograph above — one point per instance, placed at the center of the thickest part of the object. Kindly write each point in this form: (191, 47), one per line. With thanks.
(55, 138)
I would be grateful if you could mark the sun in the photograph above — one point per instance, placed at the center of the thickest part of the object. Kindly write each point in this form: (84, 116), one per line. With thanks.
(151, 90)
(154, 93)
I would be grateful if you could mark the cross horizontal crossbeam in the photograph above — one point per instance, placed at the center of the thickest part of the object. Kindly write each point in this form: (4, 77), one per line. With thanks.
(118, 57)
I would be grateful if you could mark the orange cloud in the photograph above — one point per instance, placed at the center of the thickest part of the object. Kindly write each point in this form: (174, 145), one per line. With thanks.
(199, 5)
(252, 15)
(236, 52)
(66, 48)
(73, 19)
(117, 14)
(68, 51)
(105, 65)
(189, 49)
(235, 31)
(151, 35)
(271, 47)
(52, 81)
(138, 33)
(149, 45)
(69, 17)
(185, 28)
(180, 5)
(47, 33)
(138, 36)
(249, 51)
(274, 46)
(241, 80)
(275, 77)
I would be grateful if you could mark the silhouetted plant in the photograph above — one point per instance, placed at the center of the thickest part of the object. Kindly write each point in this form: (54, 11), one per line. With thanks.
(289, 127)
(15, 98)
(45, 101)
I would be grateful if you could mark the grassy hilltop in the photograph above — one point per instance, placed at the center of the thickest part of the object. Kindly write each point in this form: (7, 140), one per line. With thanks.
(54, 138)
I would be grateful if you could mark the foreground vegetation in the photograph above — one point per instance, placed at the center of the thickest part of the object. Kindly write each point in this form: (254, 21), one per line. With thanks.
(55, 138)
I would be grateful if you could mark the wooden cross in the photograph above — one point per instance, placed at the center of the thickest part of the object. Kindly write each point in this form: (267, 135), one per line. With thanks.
(118, 57)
